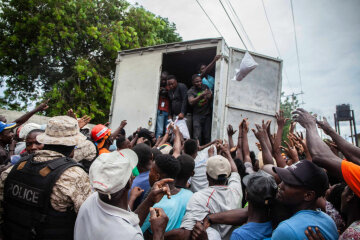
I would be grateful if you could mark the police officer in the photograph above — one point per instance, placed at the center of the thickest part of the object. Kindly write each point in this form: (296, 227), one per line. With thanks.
(44, 191)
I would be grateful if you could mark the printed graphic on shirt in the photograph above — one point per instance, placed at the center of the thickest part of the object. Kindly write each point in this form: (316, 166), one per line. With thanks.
(202, 102)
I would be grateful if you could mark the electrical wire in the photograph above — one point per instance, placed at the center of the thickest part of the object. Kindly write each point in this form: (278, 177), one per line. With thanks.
(240, 23)
(210, 19)
(297, 49)
(276, 45)
(233, 24)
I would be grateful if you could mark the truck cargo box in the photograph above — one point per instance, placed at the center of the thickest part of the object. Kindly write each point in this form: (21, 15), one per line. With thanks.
(137, 81)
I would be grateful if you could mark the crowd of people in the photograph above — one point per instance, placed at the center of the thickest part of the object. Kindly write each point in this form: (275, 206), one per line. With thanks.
(64, 180)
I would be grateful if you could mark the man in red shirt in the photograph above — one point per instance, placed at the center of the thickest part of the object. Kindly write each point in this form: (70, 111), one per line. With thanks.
(163, 106)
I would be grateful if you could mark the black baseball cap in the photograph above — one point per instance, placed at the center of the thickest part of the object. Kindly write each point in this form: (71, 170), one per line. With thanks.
(304, 174)
(261, 187)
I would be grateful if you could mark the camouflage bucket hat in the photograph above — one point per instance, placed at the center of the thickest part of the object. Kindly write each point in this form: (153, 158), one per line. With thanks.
(61, 130)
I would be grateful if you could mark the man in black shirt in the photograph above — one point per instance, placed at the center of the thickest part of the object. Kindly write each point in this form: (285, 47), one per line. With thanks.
(178, 97)
(199, 97)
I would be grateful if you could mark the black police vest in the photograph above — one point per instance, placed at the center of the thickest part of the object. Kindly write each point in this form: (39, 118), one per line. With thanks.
(28, 213)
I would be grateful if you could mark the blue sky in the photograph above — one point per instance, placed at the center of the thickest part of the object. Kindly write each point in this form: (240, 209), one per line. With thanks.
(328, 33)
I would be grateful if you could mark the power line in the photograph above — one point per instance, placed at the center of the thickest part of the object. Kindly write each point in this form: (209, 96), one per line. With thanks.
(210, 19)
(240, 23)
(297, 50)
(233, 24)
(273, 37)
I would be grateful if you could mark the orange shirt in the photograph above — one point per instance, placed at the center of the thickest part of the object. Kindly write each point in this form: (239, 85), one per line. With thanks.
(351, 174)
(103, 150)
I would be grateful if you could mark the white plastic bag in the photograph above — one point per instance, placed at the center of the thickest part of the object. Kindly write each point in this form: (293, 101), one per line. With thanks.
(182, 127)
(246, 66)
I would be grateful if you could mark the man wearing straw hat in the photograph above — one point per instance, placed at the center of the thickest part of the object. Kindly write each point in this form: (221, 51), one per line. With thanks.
(44, 191)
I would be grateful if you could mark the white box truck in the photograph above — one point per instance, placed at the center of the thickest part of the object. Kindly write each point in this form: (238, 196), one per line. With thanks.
(137, 82)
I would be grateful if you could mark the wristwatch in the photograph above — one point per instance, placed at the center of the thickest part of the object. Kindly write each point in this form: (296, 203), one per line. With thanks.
(208, 218)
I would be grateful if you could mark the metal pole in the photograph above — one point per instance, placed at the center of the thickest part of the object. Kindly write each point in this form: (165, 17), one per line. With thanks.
(353, 118)
(336, 130)
(351, 131)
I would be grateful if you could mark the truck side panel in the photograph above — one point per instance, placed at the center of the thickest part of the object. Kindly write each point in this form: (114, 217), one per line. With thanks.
(256, 97)
(136, 89)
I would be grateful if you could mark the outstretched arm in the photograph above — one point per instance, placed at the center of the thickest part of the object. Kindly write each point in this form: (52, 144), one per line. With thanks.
(177, 142)
(210, 66)
(239, 146)
(236, 217)
(320, 152)
(117, 131)
(230, 133)
(21, 120)
(276, 142)
(262, 136)
(227, 155)
(351, 152)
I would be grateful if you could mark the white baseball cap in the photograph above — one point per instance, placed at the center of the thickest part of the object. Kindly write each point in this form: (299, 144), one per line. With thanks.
(218, 165)
(24, 131)
(110, 172)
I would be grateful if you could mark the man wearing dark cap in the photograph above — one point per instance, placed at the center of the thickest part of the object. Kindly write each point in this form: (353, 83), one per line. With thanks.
(261, 191)
(302, 184)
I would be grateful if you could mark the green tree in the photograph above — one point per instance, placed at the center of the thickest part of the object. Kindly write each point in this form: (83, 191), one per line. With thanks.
(288, 104)
(66, 50)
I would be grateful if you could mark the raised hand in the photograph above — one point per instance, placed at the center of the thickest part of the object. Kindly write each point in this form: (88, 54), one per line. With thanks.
(303, 117)
(83, 121)
(290, 151)
(71, 113)
(230, 130)
(136, 192)
(260, 133)
(43, 106)
(159, 189)
(123, 123)
(296, 143)
(280, 119)
(245, 125)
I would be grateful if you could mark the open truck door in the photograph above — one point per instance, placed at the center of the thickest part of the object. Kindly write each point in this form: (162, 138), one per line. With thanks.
(257, 96)
(136, 90)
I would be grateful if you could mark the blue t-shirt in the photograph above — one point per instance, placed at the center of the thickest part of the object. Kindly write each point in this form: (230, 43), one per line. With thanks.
(294, 227)
(209, 81)
(175, 209)
(142, 181)
(252, 231)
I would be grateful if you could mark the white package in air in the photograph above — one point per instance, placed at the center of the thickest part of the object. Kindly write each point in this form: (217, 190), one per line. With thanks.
(246, 66)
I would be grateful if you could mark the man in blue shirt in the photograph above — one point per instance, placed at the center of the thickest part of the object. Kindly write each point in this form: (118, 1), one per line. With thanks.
(302, 184)
(144, 154)
(204, 70)
(166, 166)
(261, 191)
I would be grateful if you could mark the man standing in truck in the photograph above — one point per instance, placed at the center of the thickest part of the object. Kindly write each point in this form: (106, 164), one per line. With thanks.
(163, 106)
(178, 98)
(199, 96)
(204, 70)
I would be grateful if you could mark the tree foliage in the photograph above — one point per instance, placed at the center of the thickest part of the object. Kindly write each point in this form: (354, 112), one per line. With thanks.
(66, 50)
(288, 104)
